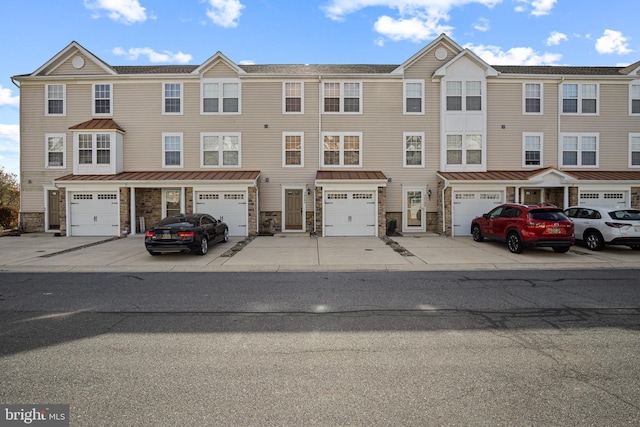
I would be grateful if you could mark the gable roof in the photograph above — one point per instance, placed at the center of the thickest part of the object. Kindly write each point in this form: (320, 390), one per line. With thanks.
(65, 53)
(218, 57)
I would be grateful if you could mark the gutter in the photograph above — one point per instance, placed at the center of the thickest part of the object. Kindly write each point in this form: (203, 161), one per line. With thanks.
(14, 82)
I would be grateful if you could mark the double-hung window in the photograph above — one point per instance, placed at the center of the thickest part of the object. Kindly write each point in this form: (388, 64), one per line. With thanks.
(634, 150)
(342, 97)
(102, 99)
(172, 150)
(532, 95)
(579, 150)
(220, 96)
(94, 152)
(172, 98)
(532, 149)
(470, 91)
(580, 98)
(293, 149)
(55, 105)
(56, 145)
(634, 97)
(293, 97)
(220, 149)
(464, 149)
(414, 96)
(414, 149)
(342, 149)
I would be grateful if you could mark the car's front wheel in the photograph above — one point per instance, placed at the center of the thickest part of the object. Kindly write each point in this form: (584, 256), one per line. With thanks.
(594, 241)
(514, 243)
(477, 233)
(561, 249)
(204, 246)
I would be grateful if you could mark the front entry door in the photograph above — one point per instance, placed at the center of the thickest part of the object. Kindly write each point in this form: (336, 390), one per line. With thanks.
(293, 210)
(413, 209)
(54, 209)
(171, 202)
(531, 196)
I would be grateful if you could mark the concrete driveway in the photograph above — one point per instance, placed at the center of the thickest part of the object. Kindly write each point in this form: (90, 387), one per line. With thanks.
(45, 252)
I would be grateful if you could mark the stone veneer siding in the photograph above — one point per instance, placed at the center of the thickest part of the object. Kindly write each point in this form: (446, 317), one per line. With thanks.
(634, 198)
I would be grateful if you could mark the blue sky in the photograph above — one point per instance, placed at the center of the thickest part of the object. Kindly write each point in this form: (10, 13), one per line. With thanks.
(141, 32)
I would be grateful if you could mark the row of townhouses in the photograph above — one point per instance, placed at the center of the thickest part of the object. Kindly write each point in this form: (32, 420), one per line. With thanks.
(336, 150)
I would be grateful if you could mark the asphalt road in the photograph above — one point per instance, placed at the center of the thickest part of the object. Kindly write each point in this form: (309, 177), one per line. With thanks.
(434, 348)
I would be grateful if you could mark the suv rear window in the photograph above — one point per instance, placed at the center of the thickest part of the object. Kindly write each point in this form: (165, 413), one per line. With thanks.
(547, 215)
(632, 214)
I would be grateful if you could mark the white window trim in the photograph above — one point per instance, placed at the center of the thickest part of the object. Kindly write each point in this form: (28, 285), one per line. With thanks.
(342, 96)
(524, 149)
(580, 136)
(220, 83)
(580, 98)
(64, 150)
(164, 112)
(284, 149)
(524, 99)
(341, 163)
(404, 98)
(633, 83)
(631, 136)
(284, 98)
(166, 134)
(93, 100)
(221, 135)
(464, 167)
(404, 149)
(64, 100)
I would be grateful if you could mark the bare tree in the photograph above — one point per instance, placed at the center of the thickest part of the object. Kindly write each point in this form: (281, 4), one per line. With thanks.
(9, 189)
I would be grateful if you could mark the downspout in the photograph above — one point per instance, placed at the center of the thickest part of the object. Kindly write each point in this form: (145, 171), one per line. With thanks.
(14, 82)
(320, 145)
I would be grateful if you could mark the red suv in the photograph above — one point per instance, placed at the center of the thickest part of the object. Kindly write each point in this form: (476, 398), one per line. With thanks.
(522, 226)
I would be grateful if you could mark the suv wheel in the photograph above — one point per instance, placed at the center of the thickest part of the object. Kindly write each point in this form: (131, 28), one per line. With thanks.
(476, 233)
(514, 243)
(594, 241)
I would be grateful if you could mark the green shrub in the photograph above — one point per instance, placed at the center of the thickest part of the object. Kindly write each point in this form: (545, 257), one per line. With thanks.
(8, 217)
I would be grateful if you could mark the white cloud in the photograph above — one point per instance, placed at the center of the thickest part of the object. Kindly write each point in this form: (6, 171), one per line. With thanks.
(10, 133)
(154, 57)
(124, 11)
(7, 99)
(613, 42)
(416, 20)
(482, 24)
(538, 7)
(247, 62)
(555, 38)
(494, 55)
(225, 12)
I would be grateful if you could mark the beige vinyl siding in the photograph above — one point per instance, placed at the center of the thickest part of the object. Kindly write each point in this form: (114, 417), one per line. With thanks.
(67, 68)
(504, 107)
(220, 70)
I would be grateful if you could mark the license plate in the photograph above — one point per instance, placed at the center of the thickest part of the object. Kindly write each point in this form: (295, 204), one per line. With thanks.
(554, 230)
(166, 236)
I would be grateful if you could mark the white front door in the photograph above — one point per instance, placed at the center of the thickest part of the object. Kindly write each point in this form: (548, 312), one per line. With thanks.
(413, 206)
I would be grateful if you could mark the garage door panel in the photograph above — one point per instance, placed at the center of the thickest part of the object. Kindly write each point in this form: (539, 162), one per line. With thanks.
(610, 199)
(231, 206)
(94, 214)
(470, 204)
(350, 213)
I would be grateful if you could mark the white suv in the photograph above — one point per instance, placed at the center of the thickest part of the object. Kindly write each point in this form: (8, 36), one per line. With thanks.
(600, 226)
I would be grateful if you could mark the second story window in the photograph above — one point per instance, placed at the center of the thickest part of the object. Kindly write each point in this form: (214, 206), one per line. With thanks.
(342, 149)
(579, 150)
(413, 97)
(293, 148)
(56, 150)
(172, 150)
(532, 98)
(634, 150)
(102, 99)
(55, 100)
(579, 98)
(464, 149)
(532, 149)
(414, 149)
(293, 99)
(172, 98)
(474, 96)
(220, 149)
(220, 96)
(471, 91)
(342, 97)
(454, 96)
(634, 97)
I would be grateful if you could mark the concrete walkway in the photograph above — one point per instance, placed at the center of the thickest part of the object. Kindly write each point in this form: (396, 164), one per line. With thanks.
(41, 252)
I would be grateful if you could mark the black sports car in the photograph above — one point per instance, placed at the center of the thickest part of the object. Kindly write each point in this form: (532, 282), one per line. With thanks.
(185, 233)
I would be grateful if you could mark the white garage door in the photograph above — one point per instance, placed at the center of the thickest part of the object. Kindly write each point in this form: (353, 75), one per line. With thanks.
(350, 213)
(94, 214)
(470, 204)
(610, 199)
(231, 206)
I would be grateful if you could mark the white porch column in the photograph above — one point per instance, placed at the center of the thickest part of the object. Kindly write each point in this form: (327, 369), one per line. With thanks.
(566, 197)
(132, 211)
